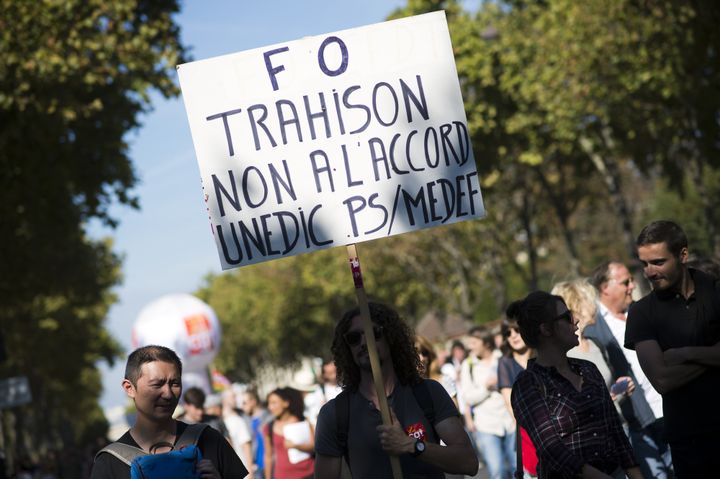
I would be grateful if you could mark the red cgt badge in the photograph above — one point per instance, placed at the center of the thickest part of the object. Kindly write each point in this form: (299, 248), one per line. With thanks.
(416, 431)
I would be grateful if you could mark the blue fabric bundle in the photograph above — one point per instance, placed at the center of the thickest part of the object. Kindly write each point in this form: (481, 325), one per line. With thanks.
(178, 464)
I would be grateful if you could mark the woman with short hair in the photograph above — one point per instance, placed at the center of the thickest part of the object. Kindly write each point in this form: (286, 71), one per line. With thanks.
(563, 402)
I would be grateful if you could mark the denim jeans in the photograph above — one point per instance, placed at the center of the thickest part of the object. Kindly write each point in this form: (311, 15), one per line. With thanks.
(652, 451)
(498, 452)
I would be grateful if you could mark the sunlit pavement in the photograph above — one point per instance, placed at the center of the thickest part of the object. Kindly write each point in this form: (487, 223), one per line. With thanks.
(482, 474)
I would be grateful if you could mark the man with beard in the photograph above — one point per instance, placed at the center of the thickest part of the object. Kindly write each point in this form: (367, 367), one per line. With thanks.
(350, 425)
(676, 333)
(643, 411)
(152, 381)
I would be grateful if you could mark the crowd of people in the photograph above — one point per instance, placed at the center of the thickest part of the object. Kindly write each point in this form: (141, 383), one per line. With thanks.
(583, 381)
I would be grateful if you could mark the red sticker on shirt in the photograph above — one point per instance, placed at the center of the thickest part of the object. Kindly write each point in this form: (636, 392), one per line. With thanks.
(416, 431)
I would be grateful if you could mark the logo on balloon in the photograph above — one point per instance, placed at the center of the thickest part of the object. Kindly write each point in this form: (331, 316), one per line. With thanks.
(199, 334)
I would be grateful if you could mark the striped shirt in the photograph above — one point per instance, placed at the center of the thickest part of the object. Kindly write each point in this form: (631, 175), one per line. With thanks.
(570, 428)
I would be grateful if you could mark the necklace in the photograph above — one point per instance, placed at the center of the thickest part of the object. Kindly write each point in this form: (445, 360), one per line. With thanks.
(159, 445)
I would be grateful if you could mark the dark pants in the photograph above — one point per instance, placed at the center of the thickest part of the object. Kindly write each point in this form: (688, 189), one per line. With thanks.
(696, 457)
(652, 450)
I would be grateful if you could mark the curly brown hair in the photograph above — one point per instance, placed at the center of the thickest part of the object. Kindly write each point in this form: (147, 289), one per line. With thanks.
(400, 339)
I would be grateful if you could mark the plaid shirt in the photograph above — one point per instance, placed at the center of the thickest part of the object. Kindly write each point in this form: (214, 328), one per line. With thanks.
(570, 428)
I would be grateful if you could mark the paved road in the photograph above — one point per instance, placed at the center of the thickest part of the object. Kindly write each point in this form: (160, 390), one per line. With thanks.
(482, 474)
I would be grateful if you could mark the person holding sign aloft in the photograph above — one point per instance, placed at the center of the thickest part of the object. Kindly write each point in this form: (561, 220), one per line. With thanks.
(422, 412)
(334, 140)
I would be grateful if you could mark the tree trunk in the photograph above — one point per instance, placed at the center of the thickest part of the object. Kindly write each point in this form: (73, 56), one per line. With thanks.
(610, 172)
(526, 218)
(498, 282)
(559, 206)
(697, 174)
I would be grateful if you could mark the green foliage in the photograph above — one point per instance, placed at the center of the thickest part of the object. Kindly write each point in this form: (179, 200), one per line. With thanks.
(74, 79)
(622, 85)
(686, 208)
(270, 311)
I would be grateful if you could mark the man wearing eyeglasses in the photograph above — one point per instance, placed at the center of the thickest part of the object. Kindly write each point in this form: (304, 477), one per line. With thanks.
(642, 411)
(351, 425)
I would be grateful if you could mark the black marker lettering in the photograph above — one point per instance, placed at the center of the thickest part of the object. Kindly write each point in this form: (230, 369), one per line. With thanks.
(247, 189)
(321, 114)
(375, 103)
(408, 95)
(220, 191)
(261, 123)
(228, 136)
(321, 169)
(273, 71)
(292, 120)
(344, 57)
(311, 227)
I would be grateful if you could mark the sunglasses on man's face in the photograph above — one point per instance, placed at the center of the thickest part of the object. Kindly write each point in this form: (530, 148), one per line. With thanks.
(353, 338)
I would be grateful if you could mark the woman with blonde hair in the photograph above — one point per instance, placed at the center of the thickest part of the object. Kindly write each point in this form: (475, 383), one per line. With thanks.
(581, 299)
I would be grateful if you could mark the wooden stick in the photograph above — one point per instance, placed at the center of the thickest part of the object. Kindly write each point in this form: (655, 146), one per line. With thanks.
(372, 349)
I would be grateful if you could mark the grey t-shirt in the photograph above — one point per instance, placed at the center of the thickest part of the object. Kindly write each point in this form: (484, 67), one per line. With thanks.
(367, 459)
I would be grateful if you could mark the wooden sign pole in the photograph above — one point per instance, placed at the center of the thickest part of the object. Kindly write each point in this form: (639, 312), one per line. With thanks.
(372, 348)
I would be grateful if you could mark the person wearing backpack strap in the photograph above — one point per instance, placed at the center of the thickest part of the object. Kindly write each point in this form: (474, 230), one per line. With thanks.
(153, 382)
(423, 413)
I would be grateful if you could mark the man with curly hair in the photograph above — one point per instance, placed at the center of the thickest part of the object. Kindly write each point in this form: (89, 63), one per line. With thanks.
(351, 425)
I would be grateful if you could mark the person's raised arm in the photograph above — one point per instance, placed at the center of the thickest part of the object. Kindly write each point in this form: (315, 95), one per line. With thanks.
(664, 377)
(456, 457)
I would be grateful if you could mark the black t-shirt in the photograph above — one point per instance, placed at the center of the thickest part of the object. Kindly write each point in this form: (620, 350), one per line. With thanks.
(212, 445)
(674, 322)
(367, 458)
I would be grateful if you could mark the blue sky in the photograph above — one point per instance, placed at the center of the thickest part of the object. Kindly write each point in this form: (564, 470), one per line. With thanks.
(167, 245)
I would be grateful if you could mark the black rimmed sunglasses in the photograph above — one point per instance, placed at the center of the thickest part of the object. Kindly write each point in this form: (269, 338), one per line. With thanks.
(353, 338)
(508, 332)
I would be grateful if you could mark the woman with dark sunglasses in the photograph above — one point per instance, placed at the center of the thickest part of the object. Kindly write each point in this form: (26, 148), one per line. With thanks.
(563, 402)
(515, 356)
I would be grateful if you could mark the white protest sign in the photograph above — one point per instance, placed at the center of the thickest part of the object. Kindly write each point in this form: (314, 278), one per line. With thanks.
(332, 140)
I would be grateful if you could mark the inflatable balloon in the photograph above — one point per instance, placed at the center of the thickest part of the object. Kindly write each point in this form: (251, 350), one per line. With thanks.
(182, 323)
